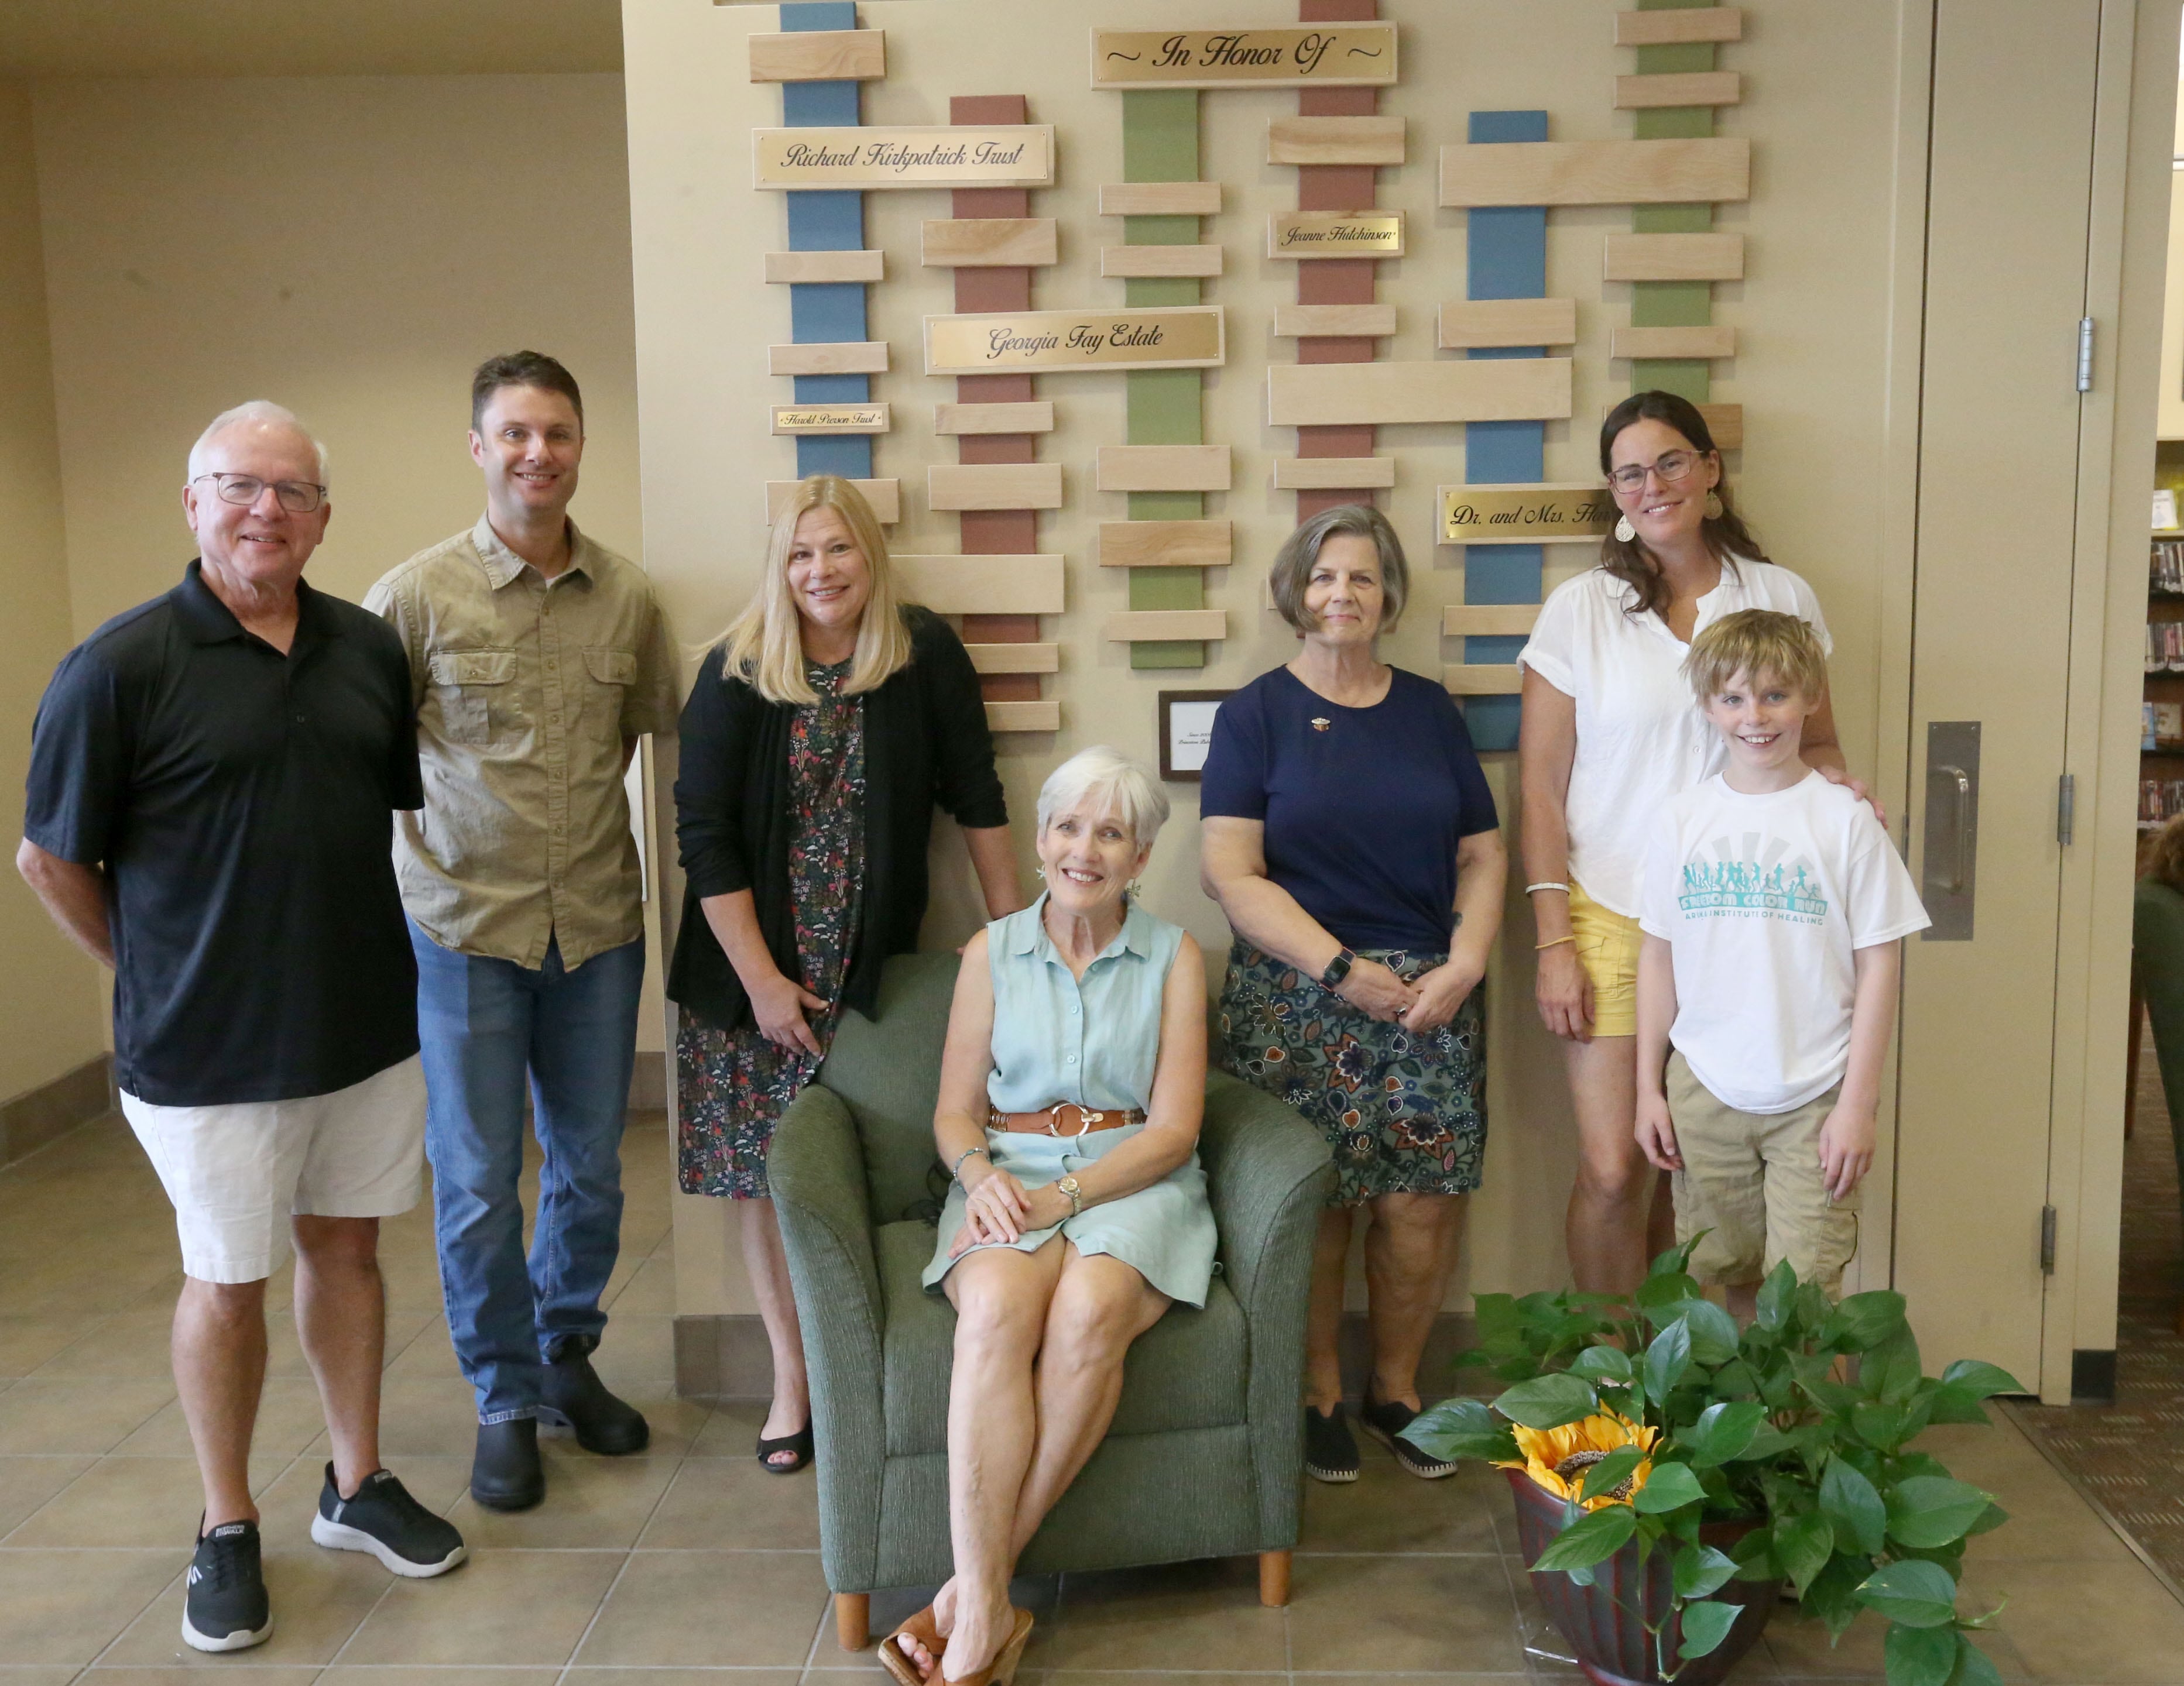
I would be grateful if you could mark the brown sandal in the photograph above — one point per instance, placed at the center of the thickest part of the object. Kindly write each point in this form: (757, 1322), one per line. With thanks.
(1002, 1670)
(922, 1628)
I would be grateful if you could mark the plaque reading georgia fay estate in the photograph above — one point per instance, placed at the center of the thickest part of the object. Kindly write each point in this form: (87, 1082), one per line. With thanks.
(937, 157)
(1335, 234)
(1525, 515)
(1177, 336)
(831, 419)
(1335, 56)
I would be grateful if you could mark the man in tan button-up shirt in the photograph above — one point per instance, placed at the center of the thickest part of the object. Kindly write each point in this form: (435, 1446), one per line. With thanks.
(538, 660)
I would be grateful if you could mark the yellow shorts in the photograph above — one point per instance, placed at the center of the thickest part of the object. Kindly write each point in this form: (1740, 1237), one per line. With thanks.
(1607, 949)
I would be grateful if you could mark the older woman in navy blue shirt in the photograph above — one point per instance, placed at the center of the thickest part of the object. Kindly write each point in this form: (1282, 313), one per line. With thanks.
(1351, 839)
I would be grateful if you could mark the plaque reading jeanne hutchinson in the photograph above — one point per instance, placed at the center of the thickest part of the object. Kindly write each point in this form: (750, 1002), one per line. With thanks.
(1181, 337)
(1337, 56)
(1335, 234)
(935, 157)
(831, 419)
(1524, 515)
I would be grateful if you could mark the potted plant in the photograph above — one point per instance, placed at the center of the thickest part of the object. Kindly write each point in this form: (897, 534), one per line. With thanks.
(1671, 1472)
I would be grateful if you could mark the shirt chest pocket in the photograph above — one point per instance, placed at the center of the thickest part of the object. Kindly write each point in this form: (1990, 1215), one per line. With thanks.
(477, 696)
(608, 673)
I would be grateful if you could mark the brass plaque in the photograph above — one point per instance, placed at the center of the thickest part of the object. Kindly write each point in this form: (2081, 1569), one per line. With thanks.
(1180, 337)
(1335, 56)
(831, 419)
(1335, 234)
(1525, 515)
(939, 156)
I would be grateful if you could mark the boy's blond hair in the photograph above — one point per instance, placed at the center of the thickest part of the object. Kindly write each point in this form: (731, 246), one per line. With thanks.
(1758, 643)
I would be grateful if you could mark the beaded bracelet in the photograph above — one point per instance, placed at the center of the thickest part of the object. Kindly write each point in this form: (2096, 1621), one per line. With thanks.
(956, 1171)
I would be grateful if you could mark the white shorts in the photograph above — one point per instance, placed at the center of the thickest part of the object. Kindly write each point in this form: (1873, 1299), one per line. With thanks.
(236, 1173)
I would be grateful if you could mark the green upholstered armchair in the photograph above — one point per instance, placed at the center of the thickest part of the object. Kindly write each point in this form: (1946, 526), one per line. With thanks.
(1204, 1459)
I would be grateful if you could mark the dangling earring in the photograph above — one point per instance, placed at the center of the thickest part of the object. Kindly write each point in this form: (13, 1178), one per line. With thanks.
(1131, 890)
(1624, 532)
(1039, 873)
(1713, 507)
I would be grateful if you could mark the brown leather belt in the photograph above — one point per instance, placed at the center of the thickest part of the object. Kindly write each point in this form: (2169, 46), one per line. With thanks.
(1059, 1120)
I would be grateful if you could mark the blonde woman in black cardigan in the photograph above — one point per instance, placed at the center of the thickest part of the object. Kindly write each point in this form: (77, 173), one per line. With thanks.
(823, 729)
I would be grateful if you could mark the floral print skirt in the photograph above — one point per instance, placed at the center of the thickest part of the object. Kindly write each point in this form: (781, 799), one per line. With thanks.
(1406, 1114)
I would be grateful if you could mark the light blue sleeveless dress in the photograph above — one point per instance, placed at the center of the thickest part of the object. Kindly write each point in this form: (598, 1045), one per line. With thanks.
(1094, 1043)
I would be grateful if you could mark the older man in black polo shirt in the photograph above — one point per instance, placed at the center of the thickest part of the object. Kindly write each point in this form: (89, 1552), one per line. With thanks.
(212, 775)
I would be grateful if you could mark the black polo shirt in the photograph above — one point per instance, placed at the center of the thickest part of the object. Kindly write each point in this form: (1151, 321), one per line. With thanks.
(241, 801)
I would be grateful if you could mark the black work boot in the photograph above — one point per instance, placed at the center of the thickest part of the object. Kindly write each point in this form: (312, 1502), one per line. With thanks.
(506, 1474)
(575, 1398)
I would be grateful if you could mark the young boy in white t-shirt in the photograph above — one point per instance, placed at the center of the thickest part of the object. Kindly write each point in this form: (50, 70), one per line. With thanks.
(1773, 906)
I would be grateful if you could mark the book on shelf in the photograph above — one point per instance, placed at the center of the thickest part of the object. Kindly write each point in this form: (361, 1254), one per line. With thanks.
(2164, 568)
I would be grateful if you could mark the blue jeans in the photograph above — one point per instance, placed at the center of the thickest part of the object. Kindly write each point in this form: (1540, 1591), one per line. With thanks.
(486, 1024)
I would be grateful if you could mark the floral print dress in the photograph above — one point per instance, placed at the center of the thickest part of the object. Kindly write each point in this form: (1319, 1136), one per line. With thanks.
(732, 1085)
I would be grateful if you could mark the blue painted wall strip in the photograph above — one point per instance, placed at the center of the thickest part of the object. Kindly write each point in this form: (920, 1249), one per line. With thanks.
(1505, 257)
(822, 312)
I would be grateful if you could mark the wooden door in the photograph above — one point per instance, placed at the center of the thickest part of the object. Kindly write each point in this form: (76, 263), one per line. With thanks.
(2014, 86)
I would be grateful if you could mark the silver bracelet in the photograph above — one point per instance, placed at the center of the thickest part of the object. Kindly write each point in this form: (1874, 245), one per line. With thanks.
(956, 1171)
(1547, 884)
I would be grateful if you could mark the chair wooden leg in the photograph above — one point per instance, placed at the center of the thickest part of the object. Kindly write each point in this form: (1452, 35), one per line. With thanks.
(853, 1620)
(1273, 1578)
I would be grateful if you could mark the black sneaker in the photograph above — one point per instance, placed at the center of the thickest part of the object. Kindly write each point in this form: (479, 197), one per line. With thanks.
(226, 1608)
(1330, 1450)
(575, 1398)
(384, 1520)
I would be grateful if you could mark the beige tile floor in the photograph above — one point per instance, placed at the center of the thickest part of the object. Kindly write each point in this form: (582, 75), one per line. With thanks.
(690, 1566)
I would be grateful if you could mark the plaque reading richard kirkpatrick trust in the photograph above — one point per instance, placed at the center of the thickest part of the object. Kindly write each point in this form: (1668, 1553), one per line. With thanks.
(1524, 515)
(1178, 337)
(936, 156)
(1333, 56)
(1335, 234)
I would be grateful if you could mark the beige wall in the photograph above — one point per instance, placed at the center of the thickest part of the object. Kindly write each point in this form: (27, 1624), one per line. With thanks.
(1814, 318)
(351, 246)
(50, 997)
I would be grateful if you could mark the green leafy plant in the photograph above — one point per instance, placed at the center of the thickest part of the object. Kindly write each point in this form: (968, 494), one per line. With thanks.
(1681, 1418)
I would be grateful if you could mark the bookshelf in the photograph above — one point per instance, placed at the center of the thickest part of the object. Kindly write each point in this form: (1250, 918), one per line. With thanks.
(2161, 744)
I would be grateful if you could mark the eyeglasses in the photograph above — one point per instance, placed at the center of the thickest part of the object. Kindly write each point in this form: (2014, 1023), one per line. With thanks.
(298, 497)
(1670, 466)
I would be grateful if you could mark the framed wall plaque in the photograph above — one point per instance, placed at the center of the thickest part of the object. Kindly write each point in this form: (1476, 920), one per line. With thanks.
(1525, 515)
(1332, 56)
(1186, 730)
(939, 156)
(1335, 234)
(1175, 336)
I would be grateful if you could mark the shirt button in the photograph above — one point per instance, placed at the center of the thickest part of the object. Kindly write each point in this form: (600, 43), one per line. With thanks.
(1073, 1010)
(1072, 1058)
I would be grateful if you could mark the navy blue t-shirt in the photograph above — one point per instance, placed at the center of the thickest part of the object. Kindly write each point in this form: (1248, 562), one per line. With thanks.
(1363, 807)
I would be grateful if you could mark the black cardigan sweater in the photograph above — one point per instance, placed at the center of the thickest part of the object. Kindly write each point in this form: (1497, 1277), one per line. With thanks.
(925, 741)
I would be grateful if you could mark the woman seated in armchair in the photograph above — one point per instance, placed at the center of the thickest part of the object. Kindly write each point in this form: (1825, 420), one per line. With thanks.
(1071, 1090)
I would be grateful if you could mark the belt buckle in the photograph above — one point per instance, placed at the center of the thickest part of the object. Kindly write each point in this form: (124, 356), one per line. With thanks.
(1086, 1119)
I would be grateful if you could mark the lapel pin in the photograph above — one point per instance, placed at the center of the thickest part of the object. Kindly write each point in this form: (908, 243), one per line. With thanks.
(1319, 725)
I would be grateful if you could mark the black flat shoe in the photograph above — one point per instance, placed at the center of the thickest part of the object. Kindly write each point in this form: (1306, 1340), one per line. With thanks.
(800, 1442)
(574, 1397)
(1386, 1423)
(1330, 1450)
(506, 1474)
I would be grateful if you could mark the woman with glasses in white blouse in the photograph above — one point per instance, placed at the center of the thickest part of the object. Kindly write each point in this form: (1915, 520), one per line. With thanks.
(1609, 734)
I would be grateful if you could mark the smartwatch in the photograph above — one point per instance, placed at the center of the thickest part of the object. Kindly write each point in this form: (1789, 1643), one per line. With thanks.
(1337, 969)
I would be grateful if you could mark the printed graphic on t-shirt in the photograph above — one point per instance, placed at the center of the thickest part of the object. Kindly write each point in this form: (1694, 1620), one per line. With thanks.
(1748, 878)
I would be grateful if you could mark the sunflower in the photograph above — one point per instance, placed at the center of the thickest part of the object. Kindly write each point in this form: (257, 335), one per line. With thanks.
(1556, 1459)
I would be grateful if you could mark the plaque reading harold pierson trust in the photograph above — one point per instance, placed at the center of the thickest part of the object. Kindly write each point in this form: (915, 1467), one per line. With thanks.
(831, 419)
(1525, 515)
(1336, 56)
(1335, 234)
(1180, 337)
(940, 156)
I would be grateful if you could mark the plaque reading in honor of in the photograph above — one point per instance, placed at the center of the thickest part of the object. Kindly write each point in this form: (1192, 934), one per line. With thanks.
(831, 419)
(1335, 234)
(1335, 56)
(1177, 336)
(875, 159)
(1525, 515)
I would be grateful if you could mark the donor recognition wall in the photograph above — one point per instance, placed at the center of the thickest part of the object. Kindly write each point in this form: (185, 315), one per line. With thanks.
(1096, 301)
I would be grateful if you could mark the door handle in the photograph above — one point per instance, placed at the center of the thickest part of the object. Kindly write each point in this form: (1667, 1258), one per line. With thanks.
(1961, 783)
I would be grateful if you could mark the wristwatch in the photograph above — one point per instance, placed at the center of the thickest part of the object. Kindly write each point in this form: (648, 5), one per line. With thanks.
(1068, 1186)
(1337, 969)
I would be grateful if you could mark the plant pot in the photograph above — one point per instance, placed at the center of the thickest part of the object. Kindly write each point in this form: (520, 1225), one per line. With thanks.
(1605, 1622)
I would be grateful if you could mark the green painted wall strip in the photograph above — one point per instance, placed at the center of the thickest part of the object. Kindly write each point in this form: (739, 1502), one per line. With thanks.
(1672, 304)
(1163, 406)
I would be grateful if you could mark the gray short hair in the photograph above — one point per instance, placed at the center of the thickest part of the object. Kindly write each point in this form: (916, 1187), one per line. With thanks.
(1129, 792)
(263, 411)
(1293, 562)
